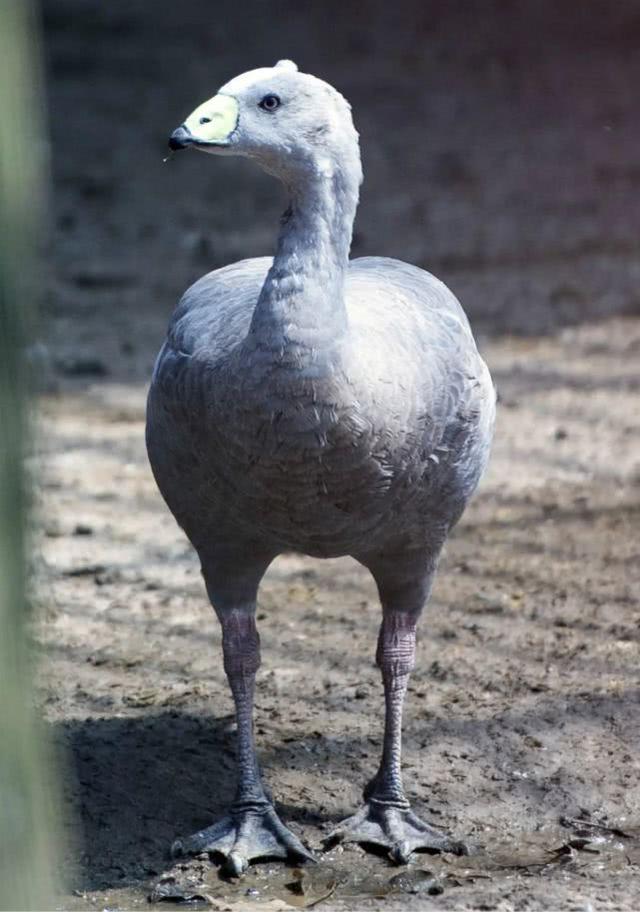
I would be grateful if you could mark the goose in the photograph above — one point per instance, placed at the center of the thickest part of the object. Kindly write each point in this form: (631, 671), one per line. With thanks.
(314, 404)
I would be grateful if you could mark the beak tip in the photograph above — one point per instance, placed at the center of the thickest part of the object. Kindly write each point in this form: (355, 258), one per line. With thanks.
(180, 138)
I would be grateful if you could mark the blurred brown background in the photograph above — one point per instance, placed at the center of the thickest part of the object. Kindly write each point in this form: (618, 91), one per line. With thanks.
(500, 142)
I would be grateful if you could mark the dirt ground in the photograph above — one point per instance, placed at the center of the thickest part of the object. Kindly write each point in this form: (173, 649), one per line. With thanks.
(523, 707)
(522, 726)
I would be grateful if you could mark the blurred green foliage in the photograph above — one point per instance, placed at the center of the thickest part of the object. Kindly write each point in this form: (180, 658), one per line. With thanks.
(26, 839)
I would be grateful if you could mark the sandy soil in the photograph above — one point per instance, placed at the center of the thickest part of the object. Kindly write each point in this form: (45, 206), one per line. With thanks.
(512, 174)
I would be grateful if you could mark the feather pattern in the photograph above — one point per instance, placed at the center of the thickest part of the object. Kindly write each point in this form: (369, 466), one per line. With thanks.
(332, 453)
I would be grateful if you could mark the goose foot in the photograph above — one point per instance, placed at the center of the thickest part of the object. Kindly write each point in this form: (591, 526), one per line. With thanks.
(396, 828)
(248, 832)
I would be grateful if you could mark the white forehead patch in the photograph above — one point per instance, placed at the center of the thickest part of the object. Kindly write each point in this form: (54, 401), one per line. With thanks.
(245, 80)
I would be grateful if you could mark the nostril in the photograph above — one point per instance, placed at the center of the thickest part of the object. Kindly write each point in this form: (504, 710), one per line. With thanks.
(180, 138)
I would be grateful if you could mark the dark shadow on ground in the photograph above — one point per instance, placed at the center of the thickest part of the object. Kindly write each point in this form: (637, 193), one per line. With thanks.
(137, 783)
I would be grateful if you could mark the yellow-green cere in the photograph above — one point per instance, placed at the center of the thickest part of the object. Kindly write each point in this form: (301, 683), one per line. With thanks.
(214, 120)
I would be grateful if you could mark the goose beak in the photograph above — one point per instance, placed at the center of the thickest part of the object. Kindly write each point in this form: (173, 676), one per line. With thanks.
(211, 124)
(180, 138)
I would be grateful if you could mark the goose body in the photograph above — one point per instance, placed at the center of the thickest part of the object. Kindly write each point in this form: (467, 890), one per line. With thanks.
(315, 404)
(378, 439)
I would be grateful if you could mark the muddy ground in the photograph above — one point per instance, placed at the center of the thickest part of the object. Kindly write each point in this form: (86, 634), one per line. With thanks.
(500, 151)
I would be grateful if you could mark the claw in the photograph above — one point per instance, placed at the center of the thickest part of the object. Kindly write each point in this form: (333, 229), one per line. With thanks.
(235, 865)
(400, 853)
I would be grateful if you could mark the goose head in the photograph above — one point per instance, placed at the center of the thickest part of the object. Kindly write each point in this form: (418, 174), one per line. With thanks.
(292, 124)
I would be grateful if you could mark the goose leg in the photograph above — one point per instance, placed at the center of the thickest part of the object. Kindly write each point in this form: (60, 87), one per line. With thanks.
(386, 818)
(252, 829)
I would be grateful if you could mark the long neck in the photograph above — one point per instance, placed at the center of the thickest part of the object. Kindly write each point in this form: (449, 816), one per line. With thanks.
(301, 308)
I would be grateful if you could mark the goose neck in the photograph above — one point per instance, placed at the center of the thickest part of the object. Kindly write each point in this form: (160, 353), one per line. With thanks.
(301, 304)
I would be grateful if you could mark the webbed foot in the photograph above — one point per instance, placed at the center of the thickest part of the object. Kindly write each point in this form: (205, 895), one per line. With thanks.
(248, 832)
(395, 827)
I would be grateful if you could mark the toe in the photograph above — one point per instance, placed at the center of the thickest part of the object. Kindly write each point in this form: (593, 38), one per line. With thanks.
(218, 837)
(300, 852)
(347, 830)
(234, 865)
(291, 841)
(400, 853)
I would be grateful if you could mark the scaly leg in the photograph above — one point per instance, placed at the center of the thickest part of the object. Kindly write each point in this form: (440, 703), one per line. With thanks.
(252, 829)
(387, 819)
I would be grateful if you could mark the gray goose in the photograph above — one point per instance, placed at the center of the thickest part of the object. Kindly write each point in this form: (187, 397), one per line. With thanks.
(315, 404)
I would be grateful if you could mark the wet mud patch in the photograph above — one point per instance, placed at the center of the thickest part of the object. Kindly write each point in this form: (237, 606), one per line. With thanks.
(547, 869)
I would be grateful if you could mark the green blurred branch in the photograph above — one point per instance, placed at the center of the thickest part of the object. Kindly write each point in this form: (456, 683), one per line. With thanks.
(25, 817)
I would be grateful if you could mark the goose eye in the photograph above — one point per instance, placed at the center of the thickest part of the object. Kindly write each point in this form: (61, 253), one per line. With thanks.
(269, 103)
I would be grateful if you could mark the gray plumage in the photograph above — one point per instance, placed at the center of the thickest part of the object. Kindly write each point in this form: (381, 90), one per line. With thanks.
(320, 405)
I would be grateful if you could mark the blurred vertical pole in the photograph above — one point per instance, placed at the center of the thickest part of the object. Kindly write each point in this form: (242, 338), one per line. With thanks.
(25, 799)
